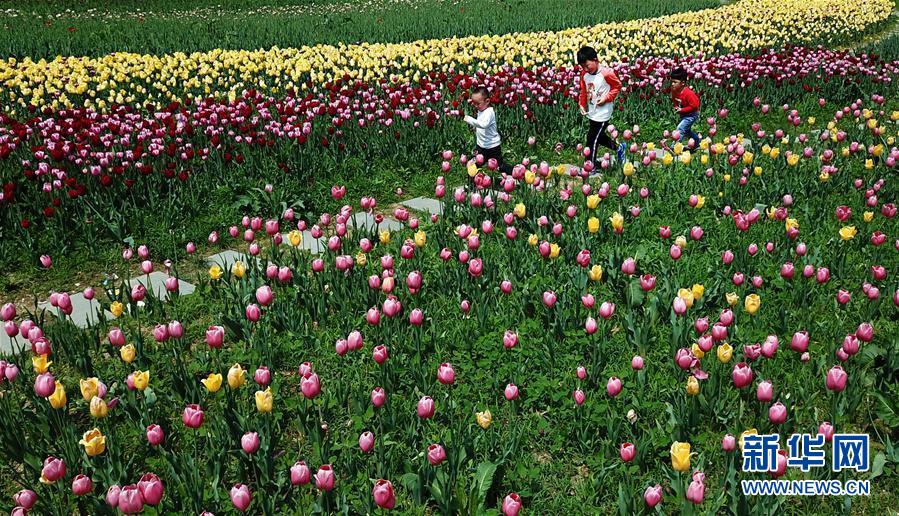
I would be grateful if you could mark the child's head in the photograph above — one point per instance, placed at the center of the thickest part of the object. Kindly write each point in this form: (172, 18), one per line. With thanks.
(480, 98)
(678, 78)
(588, 59)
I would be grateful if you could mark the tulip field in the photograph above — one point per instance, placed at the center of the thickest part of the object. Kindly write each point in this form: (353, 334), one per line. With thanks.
(251, 263)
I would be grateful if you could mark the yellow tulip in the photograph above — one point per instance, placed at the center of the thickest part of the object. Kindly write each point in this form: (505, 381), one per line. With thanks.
(751, 303)
(868, 216)
(704, 159)
(215, 272)
(700, 201)
(775, 152)
(421, 238)
(236, 376)
(824, 177)
(667, 159)
(698, 290)
(725, 352)
(593, 224)
(617, 221)
(793, 160)
(747, 158)
(98, 407)
(529, 177)
(384, 237)
(628, 169)
(791, 223)
(472, 169)
(678, 148)
(238, 269)
(90, 387)
(595, 273)
(554, 250)
(295, 238)
(593, 201)
(848, 232)
(127, 352)
(116, 309)
(485, 419)
(681, 241)
(264, 400)
(680, 456)
(692, 386)
(361, 259)
(697, 351)
(94, 442)
(141, 379)
(212, 382)
(532, 240)
(520, 211)
(732, 298)
(687, 296)
(757, 171)
(58, 399)
(40, 364)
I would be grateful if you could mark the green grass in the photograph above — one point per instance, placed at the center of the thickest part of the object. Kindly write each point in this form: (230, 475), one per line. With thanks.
(60, 28)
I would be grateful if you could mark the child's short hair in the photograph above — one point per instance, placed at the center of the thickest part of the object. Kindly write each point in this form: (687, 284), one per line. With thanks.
(678, 74)
(481, 90)
(586, 54)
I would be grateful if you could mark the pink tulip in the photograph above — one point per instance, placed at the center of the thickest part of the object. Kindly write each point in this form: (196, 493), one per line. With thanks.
(836, 379)
(728, 443)
(26, 498)
(742, 375)
(579, 397)
(426, 407)
(606, 310)
(354, 341)
(637, 363)
(155, 435)
(629, 266)
(679, 306)
(613, 386)
(696, 491)
(8, 313)
(653, 495)
(383, 494)
(799, 342)
(250, 442)
(215, 335)
(436, 454)
(827, 430)
(549, 298)
(380, 354)
(300, 474)
(865, 332)
(764, 391)
(510, 339)
(777, 413)
(130, 500)
(366, 442)
(627, 452)
(675, 252)
(511, 392)
(324, 478)
(378, 397)
(151, 489)
(192, 417)
(241, 497)
(82, 485)
(46, 261)
(310, 385)
(44, 385)
(511, 504)
(446, 374)
(53, 469)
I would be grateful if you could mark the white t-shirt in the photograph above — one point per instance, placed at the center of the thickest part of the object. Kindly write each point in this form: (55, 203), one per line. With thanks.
(597, 88)
(485, 128)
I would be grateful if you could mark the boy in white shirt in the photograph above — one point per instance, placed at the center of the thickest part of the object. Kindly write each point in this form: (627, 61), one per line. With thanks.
(488, 140)
(598, 88)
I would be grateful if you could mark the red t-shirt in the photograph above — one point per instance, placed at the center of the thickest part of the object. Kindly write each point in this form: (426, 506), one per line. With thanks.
(686, 101)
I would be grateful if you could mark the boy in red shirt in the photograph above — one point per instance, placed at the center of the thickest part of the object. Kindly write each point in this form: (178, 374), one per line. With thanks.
(598, 88)
(686, 104)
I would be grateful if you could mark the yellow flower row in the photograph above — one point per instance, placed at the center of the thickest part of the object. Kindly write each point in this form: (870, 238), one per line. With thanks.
(746, 25)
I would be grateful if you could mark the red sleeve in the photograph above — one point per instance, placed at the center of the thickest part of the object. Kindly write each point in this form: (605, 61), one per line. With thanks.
(582, 95)
(689, 101)
(614, 84)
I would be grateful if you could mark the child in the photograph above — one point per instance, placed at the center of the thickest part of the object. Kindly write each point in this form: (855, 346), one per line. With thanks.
(686, 104)
(599, 87)
(488, 140)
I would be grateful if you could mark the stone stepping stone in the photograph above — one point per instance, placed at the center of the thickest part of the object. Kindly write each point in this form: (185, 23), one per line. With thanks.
(84, 312)
(155, 282)
(11, 346)
(366, 221)
(226, 259)
(426, 204)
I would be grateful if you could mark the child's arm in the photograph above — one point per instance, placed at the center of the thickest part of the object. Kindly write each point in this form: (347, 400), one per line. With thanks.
(614, 85)
(582, 96)
(484, 120)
